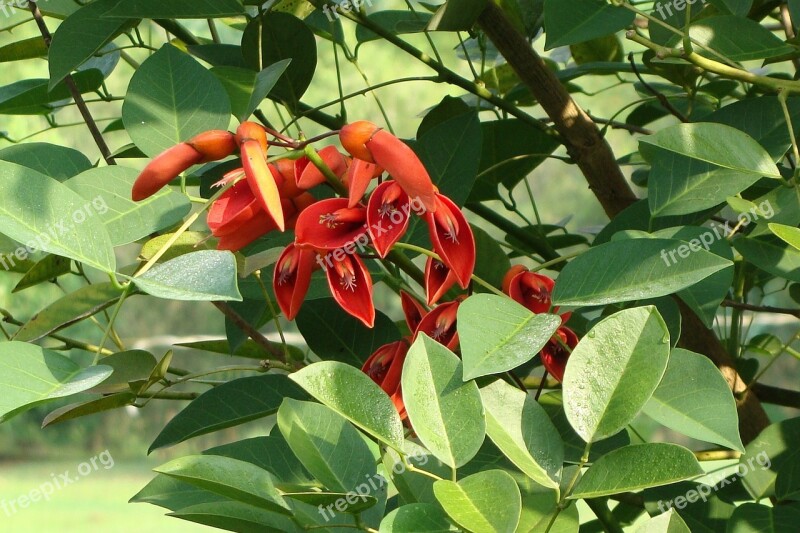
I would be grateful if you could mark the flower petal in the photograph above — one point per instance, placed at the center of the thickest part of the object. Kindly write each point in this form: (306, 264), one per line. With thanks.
(454, 243)
(292, 277)
(438, 280)
(214, 144)
(261, 181)
(312, 176)
(351, 285)
(403, 165)
(259, 225)
(359, 174)
(329, 224)
(164, 168)
(388, 212)
(233, 209)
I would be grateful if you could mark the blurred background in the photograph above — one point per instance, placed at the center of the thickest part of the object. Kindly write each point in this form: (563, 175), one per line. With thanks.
(29, 455)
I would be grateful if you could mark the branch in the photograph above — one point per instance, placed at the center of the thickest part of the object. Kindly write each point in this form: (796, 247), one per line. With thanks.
(579, 133)
(73, 90)
(252, 332)
(761, 308)
(777, 396)
(536, 241)
(596, 160)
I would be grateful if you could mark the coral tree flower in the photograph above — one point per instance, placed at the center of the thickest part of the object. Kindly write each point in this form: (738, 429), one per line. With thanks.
(438, 280)
(366, 141)
(208, 146)
(440, 324)
(557, 351)
(330, 224)
(350, 285)
(292, 277)
(531, 289)
(452, 238)
(252, 140)
(388, 213)
(385, 367)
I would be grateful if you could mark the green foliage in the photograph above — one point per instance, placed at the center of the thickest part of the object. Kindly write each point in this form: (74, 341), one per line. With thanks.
(656, 336)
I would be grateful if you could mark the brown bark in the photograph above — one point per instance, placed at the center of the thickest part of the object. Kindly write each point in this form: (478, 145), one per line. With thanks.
(596, 160)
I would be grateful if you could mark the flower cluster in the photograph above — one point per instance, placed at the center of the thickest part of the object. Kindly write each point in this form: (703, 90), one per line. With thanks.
(533, 291)
(332, 233)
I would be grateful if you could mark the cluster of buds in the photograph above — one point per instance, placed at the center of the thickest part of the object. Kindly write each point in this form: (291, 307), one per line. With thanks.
(533, 291)
(334, 233)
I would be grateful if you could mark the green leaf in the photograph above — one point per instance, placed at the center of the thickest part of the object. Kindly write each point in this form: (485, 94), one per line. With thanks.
(173, 494)
(653, 274)
(31, 376)
(703, 141)
(208, 275)
(488, 501)
(451, 153)
(757, 518)
(397, 22)
(228, 477)
(737, 38)
(511, 150)
(351, 393)
(457, 15)
(491, 262)
(57, 162)
(669, 522)
(788, 234)
(81, 36)
(768, 456)
(30, 48)
(771, 255)
(70, 309)
(446, 413)
(333, 334)
(582, 20)
(416, 518)
(498, 334)
(283, 36)
(109, 188)
(187, 242)
(186, 9)
(329, 447)
(264, 82)
(636, 467)
(249, 349)
(236, 516)
(614, 370)
(129, 366)
(32, 97)
(521, 429)
(227, 405)
(44, 214)
(170, 99)
(49, 268)
(679, 185)
(90, 407)
(693, 398)
(271, 453)
(734, 7)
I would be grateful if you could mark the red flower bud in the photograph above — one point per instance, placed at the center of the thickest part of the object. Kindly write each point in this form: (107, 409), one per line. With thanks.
(385, 367)
(164, 168)
(557, 351)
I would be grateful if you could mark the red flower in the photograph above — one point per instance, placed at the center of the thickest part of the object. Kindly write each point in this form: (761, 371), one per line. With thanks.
(252, 140)
(351, 285)
(165, 167)
(438, 280)
(413, 310)
(385, 367)
(557, 351)
(357, 179)
(292, 277)
(232, 210)
(440, 324)
(310, 176)
(367, 142)
(452, 238)
(330, 224)
(531, 289)
(387, 216)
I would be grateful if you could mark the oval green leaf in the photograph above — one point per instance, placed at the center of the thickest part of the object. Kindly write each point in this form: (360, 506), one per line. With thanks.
(207, 275)
(488, 501)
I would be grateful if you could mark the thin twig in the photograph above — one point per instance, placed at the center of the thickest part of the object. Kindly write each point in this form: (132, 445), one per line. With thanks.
(252, 332)
(761, 308)
(73, 90)
(662, 99)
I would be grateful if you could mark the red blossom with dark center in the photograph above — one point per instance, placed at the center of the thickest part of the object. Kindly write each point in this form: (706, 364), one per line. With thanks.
(438, 280)
(330, 224)
(556, 352)
(452, 239)
(351, 285)
(413, 310)
(385, 367)
(440, 325)
(292, 277)
(387, 216)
